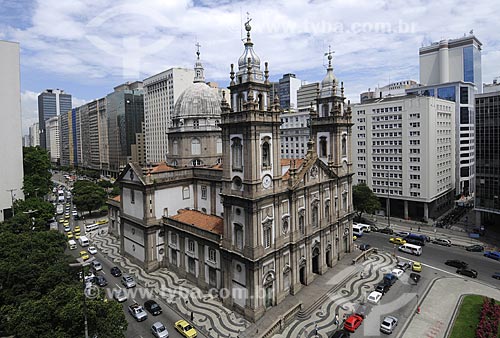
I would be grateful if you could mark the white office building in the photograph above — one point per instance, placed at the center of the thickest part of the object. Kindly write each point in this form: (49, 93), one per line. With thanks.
(34, 134)
(403, 149)
(11, 151)
(295, 133)
(53, 143)
(160, 94)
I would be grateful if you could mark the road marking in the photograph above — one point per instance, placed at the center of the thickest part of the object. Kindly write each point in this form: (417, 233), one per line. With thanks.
(433, 267)
(118, 286)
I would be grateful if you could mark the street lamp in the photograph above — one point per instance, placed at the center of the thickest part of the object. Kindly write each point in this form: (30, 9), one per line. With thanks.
(82, 264)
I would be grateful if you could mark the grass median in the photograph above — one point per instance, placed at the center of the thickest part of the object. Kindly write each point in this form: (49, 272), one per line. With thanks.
(468, 317)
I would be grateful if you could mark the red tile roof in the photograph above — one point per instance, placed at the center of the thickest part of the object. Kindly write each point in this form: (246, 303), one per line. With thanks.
(162, 167)
(116, 198)
(287, 162)
(200, 220)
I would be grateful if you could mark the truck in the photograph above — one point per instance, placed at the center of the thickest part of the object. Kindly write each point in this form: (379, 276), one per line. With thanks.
(137, 312)
(60, 209)
(84, 241)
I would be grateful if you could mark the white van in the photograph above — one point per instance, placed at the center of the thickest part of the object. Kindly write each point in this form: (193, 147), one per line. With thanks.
(411, 249)
(84, 241)
(72, 244)
(366, 227)
(357, 230)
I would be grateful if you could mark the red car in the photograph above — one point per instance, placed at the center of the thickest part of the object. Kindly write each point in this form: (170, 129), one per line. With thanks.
(353, 322)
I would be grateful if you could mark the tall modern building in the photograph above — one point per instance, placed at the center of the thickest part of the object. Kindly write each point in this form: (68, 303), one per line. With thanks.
(393, 89)
(295, 133)
(51, 103)
(452, 60)
(161, 91)
(487, 197)
(125, 110)
(288, 87)
(11, 151)
(306, 96)
(34, 134)
(53, 141)
(404, 151)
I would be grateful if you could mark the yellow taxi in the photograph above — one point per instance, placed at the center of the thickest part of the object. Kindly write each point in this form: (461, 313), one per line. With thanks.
(66, 216)
(66, 223)
(416, 266)
(397, 240)
(185, 329)
(84, 255)
(101, 222)
(77, 235)
(77, 228)
(70, 235)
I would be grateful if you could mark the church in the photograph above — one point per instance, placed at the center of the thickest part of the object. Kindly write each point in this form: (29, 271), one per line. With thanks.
(224, 210)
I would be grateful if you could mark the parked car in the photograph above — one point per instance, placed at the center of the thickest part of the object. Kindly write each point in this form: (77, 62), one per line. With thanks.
(389, 279)
(456, 263)
(364, 247)
(397, 272)
(415, 277)
(382, 288)
(403, 265)
(416, 266)
(492, 254)
(467, 272)
(442, 241)
(475, 248)
(115, 271)
(374, 297)
(159, 330)
(92, 250)
(120, 295)
(128, 281)
(353, 322)
(100, 280)
(388, 231)
(496, 275)
(152, 307)
(388, 324)
(397, 240)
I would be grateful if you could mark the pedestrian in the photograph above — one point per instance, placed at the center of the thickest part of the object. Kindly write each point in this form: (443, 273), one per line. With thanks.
(411, 229)
(336, 320)
(362, 275)
(344, 316)
(419, 228)
(192, 315)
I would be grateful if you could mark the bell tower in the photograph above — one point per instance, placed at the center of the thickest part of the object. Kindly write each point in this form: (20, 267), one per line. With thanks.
(331, 128)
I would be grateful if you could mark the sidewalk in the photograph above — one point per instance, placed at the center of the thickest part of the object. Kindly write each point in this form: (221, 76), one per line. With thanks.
(437, 307)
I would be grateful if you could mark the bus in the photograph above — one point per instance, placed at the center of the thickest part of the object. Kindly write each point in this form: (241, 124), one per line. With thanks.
(357, 230)
(415, 239)
(91, 227)
(411, 249)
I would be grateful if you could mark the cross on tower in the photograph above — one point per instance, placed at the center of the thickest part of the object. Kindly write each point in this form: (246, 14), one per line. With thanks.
(198, 49)
(329, 53)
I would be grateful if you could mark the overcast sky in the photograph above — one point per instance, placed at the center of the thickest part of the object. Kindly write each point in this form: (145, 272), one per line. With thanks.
(89, 47)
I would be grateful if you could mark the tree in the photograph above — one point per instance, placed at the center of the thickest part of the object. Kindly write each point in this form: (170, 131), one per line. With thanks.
(37, 176)
(44, 210)
(364, 200)
(88, 195)
(105, 184)
(115, 192)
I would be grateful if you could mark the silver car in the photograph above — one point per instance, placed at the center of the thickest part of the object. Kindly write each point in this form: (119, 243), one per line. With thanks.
(159, 330)
(119, 295)
(128, 281)
(388, 324)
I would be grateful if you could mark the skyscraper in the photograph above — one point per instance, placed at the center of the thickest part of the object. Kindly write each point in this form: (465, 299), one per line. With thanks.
(53, 141)
(51, 103)
(11, 151)
(288, 87)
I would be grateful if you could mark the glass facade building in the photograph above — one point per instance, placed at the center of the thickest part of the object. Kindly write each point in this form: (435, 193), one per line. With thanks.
(51, 103)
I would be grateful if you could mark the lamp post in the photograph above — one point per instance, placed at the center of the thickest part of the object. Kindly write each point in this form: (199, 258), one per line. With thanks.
(82, 264)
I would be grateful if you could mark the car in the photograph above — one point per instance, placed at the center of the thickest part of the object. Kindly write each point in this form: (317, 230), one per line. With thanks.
(67, 228)
(66, 216)
(100, 280)
(397, 272)
(364, 247)
(374, 297)
(77, 235)
(496, 275)
(92, 250)
(388, 324)
(77, 228)
(70, 235)
(185, 329)
(456, 263)
(66, 223)
(101, 222)
(402, 234)
(397, 240)
(403, 265)
(74, 213)
(388, 231)
(115, 271)
(120, 296)
(475, 248)
(389, 279)
(492, 254)
(152, 307)
(353, 322)
(415, 277)
(128, 281)
(442, 241)
(467, 272)
(159, 330)
(382, 288)
(416, 266)
(340, 334)
(97, 266)
(84, 255)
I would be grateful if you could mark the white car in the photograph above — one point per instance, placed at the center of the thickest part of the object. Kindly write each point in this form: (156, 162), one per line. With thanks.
(159, 330)
(388, 324)
(92, 250)
(67, 229)
(397, 272)
(120, 295)
(374, 297)
(97, 266)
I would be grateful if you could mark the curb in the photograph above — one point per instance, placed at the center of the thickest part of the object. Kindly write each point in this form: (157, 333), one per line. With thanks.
(451, 323)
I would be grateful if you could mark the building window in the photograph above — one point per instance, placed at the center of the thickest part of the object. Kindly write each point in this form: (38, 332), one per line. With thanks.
(191, 265)
(185, 193)
(468, 64)
(196, 124)
(191, 245)
(236, 149)
(322, 147)
(204, 192)
(195, 147)
(314, 216)
(196, 162)
(219, 146)
(132, 196)
(173, 256)
(238, 236)
(267, 237)
(464, 95)
(344, 146)
(212, 255)
(175, 147)
(302, 228)
(173, 238)
(266, 154)
(327, 211)
(344, 200)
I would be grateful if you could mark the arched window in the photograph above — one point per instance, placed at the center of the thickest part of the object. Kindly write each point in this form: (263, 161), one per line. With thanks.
(185, 193)
(236, 150)
(325, 109)
(302, 228)
(344, 146)
(314, 215)
(175, 147)
(322, 147)
(238, 236)
(240, 103)
(261, 102)
(219, 146)
(195, 147)
(266, 153)
(327, 211)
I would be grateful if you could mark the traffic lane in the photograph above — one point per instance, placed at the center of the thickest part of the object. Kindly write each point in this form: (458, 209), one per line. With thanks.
(140, 295)
(436, 255)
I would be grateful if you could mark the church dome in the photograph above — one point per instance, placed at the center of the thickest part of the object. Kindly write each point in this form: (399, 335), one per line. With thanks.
(197, 101)
(249, 52)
